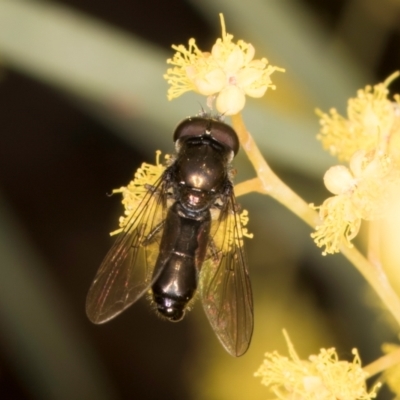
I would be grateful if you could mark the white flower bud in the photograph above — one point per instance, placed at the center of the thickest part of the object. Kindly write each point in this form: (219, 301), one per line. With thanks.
(339, 180)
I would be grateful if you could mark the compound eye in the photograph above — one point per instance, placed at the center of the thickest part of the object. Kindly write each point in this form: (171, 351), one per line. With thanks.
(193, 127)
(225, 135)
(199, 126)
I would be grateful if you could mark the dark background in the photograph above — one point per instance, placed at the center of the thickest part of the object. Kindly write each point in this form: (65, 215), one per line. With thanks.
(56, 166)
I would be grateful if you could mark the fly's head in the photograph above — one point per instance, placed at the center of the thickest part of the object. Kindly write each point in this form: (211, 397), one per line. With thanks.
(197, 127)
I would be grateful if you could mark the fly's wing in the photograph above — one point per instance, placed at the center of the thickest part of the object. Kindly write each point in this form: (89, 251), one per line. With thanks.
(225, 285)
(126, 272)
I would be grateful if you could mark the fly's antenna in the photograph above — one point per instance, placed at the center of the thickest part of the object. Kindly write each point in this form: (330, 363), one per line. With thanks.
(203, 113)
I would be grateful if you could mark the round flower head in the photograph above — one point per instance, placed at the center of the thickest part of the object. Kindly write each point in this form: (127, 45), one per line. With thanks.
(321, 377)
(372, 120)
(362, 191)
(228, 73)
(369, 139)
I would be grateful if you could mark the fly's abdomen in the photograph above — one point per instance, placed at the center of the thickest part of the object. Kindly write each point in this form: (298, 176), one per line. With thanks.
(182, 249)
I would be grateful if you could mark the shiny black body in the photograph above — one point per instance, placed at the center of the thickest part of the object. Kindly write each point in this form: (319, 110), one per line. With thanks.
(182, 250)
(200, 175)
(184, 236)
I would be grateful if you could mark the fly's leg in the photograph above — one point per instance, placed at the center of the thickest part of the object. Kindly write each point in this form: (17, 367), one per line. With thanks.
(150, 237)
(150, 188)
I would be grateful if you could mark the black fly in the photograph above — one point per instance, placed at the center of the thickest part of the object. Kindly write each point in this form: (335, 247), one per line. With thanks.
(172, 245)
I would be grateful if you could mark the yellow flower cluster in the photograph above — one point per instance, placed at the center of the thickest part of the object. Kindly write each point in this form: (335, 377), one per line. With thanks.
(371, 120)
(321, 377)
(133, 194)
(369, 139)
(228, 73)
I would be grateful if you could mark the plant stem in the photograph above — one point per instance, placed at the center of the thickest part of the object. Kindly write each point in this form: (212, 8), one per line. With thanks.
(267, 182)
(383, 363)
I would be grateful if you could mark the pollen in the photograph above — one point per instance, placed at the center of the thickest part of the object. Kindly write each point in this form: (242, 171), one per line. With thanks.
(227, 74)
(134, 192)
(321, 377)
(338, 223)
(244, 220)
(372, 121)
(232, 234)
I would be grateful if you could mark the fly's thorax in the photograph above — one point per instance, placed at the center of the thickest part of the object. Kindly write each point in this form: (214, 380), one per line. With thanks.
(201, 172)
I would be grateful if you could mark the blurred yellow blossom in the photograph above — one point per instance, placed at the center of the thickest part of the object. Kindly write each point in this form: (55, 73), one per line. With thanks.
(228, 73)
(362, 191)
(321, 377)
(370, 141)
(372, 120)
(336, 225)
